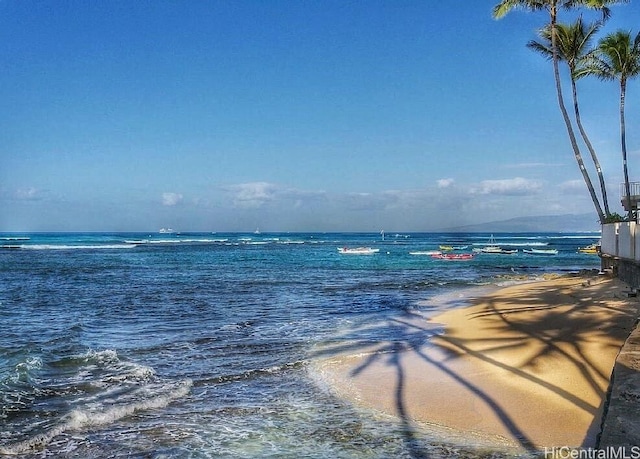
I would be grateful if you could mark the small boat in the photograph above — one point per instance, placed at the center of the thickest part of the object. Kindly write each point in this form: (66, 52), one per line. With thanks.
(492, 248)
(541, 251)
(592, 249)
(166, 231)
(358, 250)
(453, 256)
(448, 248)
(425, 252)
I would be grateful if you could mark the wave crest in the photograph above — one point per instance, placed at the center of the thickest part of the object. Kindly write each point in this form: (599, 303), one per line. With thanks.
(149, 398)
(104, 388)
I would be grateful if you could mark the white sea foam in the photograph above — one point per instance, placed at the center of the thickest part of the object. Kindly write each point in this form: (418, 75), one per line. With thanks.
(583, 236)
(125, 388)
(82, 419)
(117, 371)
(73, 247)
(23, 370)
(31, 363)
(101, 357)
(175, 241)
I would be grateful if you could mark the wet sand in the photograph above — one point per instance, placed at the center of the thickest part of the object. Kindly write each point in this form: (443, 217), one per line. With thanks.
(523, 367)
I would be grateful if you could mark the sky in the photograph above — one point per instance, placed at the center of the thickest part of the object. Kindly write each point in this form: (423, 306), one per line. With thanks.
(291, 115)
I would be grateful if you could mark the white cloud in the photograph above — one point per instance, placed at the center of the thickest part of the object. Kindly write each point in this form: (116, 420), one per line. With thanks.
(573, 185)
(510, 187)
(530, 165)
(445, 183)
(28, 194)
(364, 201)
(252, 195)
(171, 199)
(273, 206)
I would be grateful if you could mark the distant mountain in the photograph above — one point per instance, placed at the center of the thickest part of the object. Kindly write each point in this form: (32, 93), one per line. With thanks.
(548, 223)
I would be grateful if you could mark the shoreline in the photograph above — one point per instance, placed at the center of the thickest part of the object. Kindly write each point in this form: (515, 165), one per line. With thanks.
(518, 368)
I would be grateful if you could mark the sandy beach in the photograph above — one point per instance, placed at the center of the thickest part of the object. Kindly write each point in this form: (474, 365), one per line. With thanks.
(522, 368)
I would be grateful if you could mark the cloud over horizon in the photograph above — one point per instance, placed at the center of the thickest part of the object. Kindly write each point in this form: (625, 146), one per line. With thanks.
(27, 194)
(171, 199)
(509, 187)
(280, 207)
(445, 183)
(255, 195)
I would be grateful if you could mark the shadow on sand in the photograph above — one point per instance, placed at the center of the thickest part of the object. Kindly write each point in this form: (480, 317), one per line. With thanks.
(555, 324)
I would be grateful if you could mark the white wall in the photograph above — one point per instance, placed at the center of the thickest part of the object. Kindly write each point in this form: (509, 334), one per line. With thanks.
(620, 240)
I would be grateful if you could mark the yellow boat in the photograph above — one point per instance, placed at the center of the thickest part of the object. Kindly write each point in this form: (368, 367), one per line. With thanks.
(448, 248)
(593, 248)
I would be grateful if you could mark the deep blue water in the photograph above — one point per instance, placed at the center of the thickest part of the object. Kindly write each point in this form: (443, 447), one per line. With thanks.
(199, 345)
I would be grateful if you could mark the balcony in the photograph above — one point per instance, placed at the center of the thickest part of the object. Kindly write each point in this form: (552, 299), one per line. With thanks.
(634, 188)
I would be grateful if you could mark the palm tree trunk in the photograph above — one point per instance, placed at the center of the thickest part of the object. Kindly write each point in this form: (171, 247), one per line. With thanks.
(627, 186)
(587, 142)
(565, 115)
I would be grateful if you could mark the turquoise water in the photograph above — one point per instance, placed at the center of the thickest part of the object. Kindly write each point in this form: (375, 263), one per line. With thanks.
(200, 345)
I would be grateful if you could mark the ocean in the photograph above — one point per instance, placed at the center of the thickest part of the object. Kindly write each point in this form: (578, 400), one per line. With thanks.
(201, 345)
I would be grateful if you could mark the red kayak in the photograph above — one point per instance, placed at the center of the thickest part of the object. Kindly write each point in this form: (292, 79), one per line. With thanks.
(453, 256)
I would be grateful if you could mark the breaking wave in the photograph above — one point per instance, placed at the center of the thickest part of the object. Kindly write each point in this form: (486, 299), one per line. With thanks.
(119, 389)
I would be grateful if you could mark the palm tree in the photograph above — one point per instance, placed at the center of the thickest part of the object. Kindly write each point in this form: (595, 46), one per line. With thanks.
(551, 6)
(573, 45)
(617, 57)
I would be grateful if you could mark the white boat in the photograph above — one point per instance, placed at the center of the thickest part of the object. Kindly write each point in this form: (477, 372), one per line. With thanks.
(541, 251)
(358, 250)
(492, 248)
(166, 231)
(496, 250)
(425, 252)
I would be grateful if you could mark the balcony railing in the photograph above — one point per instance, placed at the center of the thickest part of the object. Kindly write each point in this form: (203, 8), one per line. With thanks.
(634, 189)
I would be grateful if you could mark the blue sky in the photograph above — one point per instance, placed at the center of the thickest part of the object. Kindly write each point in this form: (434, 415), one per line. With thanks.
(289, 115)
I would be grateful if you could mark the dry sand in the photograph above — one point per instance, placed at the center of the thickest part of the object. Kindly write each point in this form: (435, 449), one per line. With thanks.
(527, 366)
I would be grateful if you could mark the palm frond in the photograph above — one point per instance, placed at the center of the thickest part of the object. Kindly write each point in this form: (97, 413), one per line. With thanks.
(636, 42)
(602, 5)
(592, 65)
(540, 48)
(505, 6)
(572, 41)
(621, 54)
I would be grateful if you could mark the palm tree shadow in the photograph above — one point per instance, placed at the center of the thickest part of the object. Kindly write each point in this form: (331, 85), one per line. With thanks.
(506, 420)
(412, 338)
(391, 353)
(557, 332)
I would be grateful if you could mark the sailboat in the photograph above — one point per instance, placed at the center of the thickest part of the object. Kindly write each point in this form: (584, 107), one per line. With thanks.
(493, 248)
